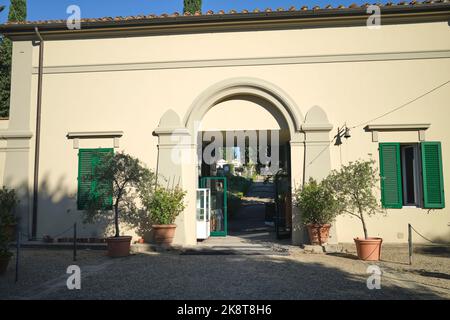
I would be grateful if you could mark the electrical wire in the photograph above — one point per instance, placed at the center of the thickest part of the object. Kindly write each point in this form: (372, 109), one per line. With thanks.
(381, 116)
(402, 106)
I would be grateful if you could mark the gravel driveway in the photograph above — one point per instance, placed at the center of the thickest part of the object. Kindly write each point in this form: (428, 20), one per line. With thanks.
(170, 275)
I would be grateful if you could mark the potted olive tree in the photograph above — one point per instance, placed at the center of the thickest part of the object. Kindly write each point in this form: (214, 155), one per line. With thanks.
(8, 223)
(318, 208)
(164, 205)
(353, 187)
(124, 173)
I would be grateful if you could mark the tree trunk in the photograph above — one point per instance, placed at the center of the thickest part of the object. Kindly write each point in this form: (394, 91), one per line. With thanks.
(116, 219)
(364, 225)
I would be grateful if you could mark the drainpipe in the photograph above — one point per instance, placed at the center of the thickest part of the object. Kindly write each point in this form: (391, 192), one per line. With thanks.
(38, 136)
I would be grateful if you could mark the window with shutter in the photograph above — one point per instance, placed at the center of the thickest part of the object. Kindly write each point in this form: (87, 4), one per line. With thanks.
(390, 174)
(433, 182)
(88, 188)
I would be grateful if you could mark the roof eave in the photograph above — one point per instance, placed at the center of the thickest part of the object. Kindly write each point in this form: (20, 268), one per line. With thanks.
(317, 18)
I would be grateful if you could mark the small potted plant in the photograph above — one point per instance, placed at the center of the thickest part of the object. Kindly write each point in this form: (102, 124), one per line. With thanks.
(353, 187)
(164, 206)
(8, 223)
(5, 254)
(8, 202)
(123, 172)
(318, 209)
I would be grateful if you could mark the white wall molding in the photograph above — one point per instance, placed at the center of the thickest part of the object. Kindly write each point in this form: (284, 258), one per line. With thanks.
(419, 127)
(240, 62)
(8, 135)
(76, 136)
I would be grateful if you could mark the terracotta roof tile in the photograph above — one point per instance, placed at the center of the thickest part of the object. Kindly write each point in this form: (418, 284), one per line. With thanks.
(235, 12)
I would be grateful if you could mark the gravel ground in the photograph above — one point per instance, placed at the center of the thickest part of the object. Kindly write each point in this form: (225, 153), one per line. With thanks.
(170, 275)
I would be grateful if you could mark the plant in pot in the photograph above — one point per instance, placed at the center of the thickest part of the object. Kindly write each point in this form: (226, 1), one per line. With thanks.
(164, 206)
(318, 208)
(8, 203)
(5, 254)
(8, 223)
(353, 187)
(117, 177)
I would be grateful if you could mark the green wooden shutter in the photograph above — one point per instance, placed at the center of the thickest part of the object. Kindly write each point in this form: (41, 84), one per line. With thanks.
(88, 188)
(433, 181)
(102, 190)
(84, 177)
(391, 176)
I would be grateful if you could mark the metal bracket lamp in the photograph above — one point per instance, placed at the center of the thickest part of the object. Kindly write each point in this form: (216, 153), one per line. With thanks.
(343, 132)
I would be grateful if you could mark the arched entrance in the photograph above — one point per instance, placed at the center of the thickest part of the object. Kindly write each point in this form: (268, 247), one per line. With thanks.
(180, 138)
(247, 120)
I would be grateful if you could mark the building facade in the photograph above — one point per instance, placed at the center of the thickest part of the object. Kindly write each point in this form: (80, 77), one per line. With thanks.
(148, 85)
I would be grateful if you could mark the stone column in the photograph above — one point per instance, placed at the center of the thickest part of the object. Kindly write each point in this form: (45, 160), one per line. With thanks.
(176, 166)
(297, 165)
(317, 162)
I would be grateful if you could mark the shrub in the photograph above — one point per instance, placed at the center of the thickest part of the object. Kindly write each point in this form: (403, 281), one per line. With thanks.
(8, 202)
(165, 205)
(316, 202)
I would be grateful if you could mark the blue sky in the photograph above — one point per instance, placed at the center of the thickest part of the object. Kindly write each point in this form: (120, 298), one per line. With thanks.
(56, 9)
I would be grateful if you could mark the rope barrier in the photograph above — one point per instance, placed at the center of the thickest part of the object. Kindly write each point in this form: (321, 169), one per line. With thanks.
(53, 237)
(410, 241)
(19, 234)
(425, 238)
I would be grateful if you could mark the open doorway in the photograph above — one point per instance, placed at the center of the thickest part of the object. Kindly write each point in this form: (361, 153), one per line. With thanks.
(246, 166)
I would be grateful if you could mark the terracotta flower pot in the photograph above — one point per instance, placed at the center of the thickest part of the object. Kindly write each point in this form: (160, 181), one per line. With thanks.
(118, 246)
(4, 261)
(164, 233)
(318, 233)
(369, 249)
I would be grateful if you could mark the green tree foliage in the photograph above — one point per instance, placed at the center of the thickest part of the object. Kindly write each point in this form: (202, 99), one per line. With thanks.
(165, 205)
(353, 187)
(192, 6)
(126, 173)
(316, 203)
(17, 12)
(8, 202)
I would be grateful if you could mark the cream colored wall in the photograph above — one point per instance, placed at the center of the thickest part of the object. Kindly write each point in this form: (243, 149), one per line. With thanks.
(134, 101)
(3, 143)
(285, 43)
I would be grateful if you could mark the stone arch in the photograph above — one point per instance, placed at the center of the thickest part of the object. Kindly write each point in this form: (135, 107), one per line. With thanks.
(253, 87)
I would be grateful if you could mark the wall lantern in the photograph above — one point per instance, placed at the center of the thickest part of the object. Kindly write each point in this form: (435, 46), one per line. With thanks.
(342, 132)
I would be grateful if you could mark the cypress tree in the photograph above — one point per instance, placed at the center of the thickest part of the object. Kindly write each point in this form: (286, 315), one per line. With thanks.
(192, 6)
(17, 12)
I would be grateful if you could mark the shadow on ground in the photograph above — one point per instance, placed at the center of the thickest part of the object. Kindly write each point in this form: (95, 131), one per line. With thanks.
(174, 276)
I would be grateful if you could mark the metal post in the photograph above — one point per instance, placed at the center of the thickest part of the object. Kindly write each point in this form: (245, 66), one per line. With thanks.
(75, 242)
(17, 252)
(410, 246)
